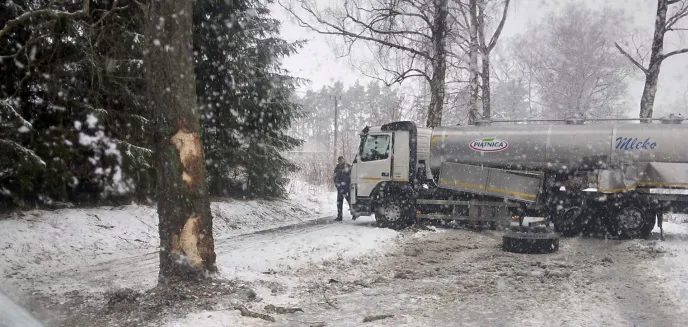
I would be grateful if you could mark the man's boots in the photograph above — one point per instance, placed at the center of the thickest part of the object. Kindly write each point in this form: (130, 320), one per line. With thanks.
(339, 218)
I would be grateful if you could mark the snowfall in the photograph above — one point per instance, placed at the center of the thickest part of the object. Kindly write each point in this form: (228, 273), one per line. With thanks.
(293, 255)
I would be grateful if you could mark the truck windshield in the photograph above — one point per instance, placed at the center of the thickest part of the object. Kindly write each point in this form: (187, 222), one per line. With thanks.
(375, 147)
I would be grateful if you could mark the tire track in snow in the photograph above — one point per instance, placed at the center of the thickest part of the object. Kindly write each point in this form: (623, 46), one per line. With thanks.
(145, 264)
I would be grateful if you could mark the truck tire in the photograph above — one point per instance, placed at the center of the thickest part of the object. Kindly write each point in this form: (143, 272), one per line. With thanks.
(394, 213)
(631, 221)
(532, 243)
(568, 222)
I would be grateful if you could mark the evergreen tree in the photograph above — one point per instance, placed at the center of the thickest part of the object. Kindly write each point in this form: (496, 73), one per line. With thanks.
(74, 121)
(245, 97)
(59, 84)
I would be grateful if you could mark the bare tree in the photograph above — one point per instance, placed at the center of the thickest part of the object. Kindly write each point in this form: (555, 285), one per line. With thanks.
(406, 37)
(471, 19)
(666, 20)
(185, 221)
(485, 49)
(474, 83)
(570, 58)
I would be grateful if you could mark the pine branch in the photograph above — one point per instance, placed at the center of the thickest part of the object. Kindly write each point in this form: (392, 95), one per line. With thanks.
(6, 104)
(25, 46)
(21, 149)
(84, 12)
(106, 14)
(102, 111)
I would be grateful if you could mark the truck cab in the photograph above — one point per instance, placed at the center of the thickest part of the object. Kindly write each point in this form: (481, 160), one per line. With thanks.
(391, 159)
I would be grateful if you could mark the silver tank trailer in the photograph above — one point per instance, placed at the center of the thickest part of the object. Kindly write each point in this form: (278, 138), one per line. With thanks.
(555, 147)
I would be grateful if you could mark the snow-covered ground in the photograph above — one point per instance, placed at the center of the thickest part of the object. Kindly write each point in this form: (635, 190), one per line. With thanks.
(462, 278)
(43, 242)
(672, 270)
(291, 256)
(263, 243)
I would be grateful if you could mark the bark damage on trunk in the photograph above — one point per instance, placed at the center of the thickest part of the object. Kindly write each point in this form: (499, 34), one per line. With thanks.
(185, 221)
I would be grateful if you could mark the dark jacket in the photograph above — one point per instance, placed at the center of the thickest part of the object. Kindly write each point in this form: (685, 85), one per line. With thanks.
(342, 175)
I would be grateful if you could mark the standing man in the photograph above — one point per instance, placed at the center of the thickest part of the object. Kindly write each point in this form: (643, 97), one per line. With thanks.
(342, 180)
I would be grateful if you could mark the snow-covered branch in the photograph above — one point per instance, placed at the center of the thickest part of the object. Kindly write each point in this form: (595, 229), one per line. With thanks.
(147, 151)
(102, 111)
(4, 103)
(84, 12)
(25, 46)
(14, 146)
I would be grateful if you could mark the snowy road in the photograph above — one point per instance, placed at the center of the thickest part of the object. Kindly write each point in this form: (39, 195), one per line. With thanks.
(462, 278)
(339, 273)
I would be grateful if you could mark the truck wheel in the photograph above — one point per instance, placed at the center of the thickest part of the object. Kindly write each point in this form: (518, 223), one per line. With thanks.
(533, 243)
(568, 222)
(394, 214)
(632, 222)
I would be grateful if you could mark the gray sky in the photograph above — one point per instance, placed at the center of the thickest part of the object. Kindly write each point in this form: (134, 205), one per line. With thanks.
(318, 62)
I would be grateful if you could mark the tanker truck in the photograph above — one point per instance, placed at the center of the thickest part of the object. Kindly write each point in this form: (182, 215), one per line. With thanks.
(617, 175)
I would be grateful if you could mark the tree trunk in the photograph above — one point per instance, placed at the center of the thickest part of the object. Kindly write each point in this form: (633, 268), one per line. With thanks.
(484, 52)
(649, 91)
(652, 73)
(439, 64)
(487, 112)
(474, 84)
(185, 221)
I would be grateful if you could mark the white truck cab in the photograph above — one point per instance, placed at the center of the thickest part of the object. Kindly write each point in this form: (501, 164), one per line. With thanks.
(389, 155)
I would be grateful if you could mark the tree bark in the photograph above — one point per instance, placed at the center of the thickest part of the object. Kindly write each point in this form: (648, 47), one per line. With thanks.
(439, 63)
(474, 84)
(652, 74)
(485, 49)
(485, 86)
(485, 55)
(185, 221)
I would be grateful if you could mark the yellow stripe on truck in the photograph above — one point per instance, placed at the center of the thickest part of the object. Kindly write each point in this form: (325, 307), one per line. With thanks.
(488, 188)
(384, 179)
(371, 178)
(633, 187)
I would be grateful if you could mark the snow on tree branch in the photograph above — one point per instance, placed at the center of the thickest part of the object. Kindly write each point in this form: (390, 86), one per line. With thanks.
(102, 111)
(5, 103)
(84, 12)
(14, 146)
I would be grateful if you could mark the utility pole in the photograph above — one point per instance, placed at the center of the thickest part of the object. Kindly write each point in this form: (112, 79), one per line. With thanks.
(336, 125)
